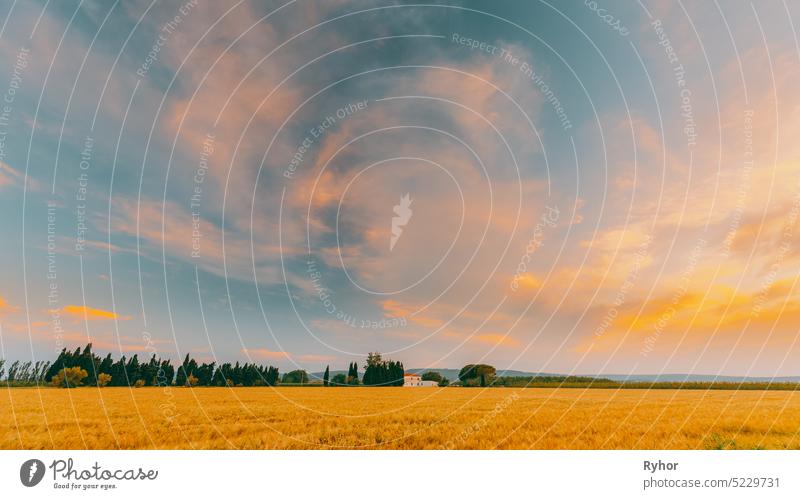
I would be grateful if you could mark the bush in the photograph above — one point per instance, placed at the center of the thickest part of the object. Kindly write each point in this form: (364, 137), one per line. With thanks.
(103, 379)
(432, 376)
(192, 380)
(297, 377)
(69, 377)
(139, 383)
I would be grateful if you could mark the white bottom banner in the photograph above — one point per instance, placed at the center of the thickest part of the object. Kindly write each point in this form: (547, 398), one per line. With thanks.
(400, 474)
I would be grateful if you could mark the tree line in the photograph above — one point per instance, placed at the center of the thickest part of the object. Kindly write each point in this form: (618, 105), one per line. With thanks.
(379, 372)
(23, 373)
(82, 367)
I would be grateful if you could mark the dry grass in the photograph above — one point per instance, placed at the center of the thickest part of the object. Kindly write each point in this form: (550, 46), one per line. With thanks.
(396, 418)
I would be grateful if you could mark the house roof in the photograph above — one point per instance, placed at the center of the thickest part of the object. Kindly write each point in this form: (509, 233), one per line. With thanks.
(405, 375)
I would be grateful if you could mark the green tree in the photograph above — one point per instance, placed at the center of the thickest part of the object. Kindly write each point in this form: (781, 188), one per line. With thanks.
(89, 363)
(63, 358)
(132, 371)
(105, 366)
(432, 376)
(204, 374)
(297, 377)
(326, 376)
(118, 374)
(272, 375)
(475, 374)
(219, 375)
(352, 374)
(84, 359)
(380, 372)
(339, 380)
(165, 374)
(183, 372)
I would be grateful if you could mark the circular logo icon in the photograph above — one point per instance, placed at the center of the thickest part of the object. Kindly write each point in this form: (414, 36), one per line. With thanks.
(31, 472)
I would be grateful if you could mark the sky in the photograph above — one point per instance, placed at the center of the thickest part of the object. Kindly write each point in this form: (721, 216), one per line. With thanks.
(589, 187)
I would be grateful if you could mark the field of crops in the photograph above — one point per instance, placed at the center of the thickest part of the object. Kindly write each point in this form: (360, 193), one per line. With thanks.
(397, 418)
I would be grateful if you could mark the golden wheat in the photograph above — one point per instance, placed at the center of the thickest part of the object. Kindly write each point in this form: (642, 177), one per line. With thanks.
(396, 418)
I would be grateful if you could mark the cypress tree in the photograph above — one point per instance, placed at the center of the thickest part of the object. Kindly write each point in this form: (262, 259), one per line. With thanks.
(105, 365)
(326, 376)
(166, 373)
(118, 374)
(132, 370)
(57, 365)
(180, 379)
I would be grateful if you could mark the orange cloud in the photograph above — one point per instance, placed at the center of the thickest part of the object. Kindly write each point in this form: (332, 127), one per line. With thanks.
(265, 353)
(396, 309)
(92, 314)
(496, 340)
(5, 307)
(528, 281)
(701, 315)
(9, 176)
(315, 358)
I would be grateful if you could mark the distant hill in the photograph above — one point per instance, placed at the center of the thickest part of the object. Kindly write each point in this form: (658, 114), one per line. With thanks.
(699, 377)
(452, 374)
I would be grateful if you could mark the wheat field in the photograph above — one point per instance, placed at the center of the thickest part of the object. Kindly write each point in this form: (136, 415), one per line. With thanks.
(396, 418)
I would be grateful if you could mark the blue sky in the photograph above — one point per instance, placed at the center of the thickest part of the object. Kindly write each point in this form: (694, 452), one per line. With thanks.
(597, 187)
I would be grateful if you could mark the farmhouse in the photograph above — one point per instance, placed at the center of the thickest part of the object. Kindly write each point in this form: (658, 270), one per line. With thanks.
(411, 379)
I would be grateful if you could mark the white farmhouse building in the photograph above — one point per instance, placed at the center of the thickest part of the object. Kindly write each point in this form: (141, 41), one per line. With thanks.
(411, 379)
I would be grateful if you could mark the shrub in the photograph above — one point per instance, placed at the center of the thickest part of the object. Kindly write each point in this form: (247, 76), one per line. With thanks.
(192, 380)
(139, 383)
(103, 379)
(297, 377)
(432, 376)
(69, 377)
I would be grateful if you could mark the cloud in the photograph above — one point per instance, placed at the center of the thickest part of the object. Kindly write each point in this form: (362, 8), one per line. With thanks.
(6, 308)
(496, 340)
(196, 240)
(265, 353)
(315, 358)
(92, 314)
(9, 176)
